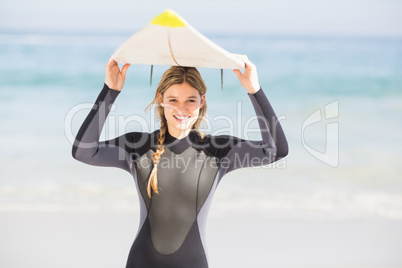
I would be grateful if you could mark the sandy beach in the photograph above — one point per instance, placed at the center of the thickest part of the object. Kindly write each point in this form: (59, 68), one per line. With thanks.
(103, 240)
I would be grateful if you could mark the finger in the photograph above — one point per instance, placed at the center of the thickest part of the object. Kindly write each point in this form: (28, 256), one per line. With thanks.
(245, 59)
(248, 62)
(111, 62)
(238, 73)
(124, 69)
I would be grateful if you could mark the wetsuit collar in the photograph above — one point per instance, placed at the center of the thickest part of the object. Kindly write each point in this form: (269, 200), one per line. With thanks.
(179, 145)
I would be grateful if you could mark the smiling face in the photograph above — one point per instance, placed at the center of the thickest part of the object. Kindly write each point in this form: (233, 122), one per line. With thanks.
(182, 104)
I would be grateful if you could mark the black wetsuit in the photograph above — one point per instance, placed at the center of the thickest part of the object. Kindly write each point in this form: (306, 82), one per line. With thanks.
(172, 224)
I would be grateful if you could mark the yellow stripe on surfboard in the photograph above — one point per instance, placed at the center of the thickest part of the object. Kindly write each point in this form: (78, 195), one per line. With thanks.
(169, 18)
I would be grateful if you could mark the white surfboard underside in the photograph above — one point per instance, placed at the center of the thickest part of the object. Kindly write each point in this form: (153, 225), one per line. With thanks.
(177, 46)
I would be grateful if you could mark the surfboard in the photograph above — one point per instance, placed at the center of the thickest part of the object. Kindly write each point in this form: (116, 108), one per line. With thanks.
(170, 40)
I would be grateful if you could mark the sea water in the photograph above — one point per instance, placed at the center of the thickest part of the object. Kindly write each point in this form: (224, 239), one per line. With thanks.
(339, 100)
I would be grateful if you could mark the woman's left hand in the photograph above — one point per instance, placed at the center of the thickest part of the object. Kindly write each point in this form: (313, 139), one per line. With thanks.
(248, 79)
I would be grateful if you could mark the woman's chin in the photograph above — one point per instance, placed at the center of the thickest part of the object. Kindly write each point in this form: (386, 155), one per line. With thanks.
(185, 126)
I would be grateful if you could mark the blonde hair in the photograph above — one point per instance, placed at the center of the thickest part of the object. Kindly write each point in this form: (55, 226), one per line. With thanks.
(174, 75)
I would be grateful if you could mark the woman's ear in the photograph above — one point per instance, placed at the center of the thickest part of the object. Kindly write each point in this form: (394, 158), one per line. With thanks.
(160, 99)
(202, 101)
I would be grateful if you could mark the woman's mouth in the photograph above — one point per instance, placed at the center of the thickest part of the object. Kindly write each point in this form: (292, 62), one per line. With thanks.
(181, 118)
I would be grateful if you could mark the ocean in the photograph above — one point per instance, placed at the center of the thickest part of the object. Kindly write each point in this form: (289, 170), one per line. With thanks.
(339, 100)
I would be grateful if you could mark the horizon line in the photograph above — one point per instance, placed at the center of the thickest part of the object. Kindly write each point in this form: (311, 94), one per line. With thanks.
(26, 31)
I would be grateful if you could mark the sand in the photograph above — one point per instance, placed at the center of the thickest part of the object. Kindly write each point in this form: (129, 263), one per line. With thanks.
(102, 240)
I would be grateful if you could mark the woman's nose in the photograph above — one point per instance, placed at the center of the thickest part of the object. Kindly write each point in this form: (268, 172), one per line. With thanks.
(182, 108)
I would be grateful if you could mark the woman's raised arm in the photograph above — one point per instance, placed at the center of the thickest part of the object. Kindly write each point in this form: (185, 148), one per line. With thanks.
(274, 146)
(87, 148)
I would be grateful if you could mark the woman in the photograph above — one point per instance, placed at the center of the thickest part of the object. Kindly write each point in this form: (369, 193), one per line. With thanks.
(177, 168)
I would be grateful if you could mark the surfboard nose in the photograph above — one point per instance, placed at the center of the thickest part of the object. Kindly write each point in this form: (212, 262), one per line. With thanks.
(169, 18)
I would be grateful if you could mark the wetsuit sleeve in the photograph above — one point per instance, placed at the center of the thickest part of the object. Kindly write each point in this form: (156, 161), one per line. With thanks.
(273, 146)
(87, 148)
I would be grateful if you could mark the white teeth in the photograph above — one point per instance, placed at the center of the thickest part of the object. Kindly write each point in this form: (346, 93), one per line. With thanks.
(181, 117)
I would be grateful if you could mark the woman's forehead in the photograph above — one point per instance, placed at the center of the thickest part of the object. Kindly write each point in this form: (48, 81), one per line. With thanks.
(181, 91)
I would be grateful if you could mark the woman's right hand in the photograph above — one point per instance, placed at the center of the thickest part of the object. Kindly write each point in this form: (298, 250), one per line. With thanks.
(114, 78)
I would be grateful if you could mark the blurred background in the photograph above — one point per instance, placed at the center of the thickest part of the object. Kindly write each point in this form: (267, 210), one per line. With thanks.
(331, 69)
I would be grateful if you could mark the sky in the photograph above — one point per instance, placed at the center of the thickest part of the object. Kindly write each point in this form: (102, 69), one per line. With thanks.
(303, 17)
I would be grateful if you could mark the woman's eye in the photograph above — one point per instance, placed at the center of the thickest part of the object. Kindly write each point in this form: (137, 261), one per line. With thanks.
(191, 100)
(172, 100)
